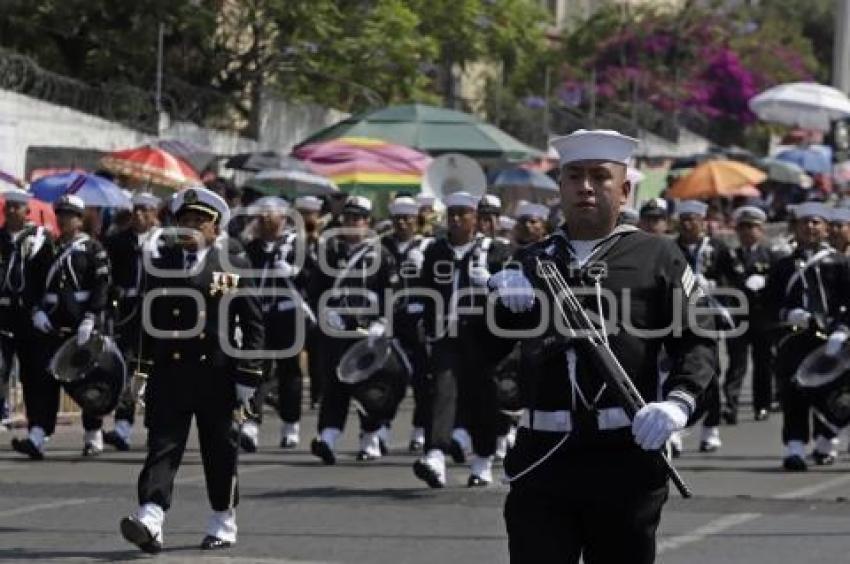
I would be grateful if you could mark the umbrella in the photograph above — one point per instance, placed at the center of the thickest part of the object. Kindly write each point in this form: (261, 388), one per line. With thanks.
(94, 190)
(785, 172)
(292, 183)
(10, 179)
(152, 166)
(432, 130)
(41, 213)
(810, 159)
(198, 156)
(717, 178)
(267, 160)
(519, 177)
(802, 104)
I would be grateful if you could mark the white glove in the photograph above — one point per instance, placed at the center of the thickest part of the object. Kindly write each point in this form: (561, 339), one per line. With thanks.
(479, 275)
(334, 320)
(284, 269)
(514, 289)
(84, 331)
(41, 322)
(799, 317)
(656, 421)
(376, 331)
(834, 343)
(705, 283)
(244, 395)
(755, 282)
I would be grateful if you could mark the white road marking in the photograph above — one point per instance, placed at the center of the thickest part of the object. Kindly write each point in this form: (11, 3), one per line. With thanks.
(814, 489)
(711, 528)
(42, 506)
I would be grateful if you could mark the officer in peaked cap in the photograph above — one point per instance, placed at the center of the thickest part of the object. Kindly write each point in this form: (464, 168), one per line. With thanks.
(653, 216)
(203, 374)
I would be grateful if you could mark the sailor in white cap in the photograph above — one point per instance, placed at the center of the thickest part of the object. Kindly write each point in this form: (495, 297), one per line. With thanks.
(839, 230)
(531, 223)
(704, 255)
(489, 208)
(808, 291)
(125, 256)
(428, 216)
(348, 293)
(457, 267)
(608, 458)
(200, 375)
(505, 231)
(748, 270)
(26, 251)
(71, 302)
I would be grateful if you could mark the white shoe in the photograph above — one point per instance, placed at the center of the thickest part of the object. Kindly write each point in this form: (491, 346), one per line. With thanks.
(370, 446)
(289, 435)
(481, 471)
(501, 447)
(222, 525)
(431, 468)
(710, 440)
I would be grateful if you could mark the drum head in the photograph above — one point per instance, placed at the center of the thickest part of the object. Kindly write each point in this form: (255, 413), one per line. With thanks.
(71, 362)
(818, 369)
(361, 361)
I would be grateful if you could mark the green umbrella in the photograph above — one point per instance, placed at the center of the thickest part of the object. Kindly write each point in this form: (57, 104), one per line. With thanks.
(432, 130)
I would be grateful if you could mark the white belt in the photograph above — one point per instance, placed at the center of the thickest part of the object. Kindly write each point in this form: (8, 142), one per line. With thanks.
(562, 421)
(80, 296)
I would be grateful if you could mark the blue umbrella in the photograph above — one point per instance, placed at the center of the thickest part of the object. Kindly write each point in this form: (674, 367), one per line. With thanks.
(522, 177)
(811, 160)
(95, 191)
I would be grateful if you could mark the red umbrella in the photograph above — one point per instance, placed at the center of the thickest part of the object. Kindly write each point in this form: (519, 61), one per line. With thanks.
(41, 213)
(152, 166)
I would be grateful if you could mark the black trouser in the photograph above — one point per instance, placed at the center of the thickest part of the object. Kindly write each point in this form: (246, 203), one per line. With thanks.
(174, 395)
(316, 363)
(738, 349)
(287, 373)
(711, 401)
(128, 343)
(795, 406)
(462, 382)
(41, 389)
(7, 354)
(336, 395)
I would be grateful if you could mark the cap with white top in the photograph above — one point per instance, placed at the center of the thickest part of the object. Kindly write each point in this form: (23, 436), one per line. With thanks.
(593, 145)
(490, 203)
(811, 209)
(357, 205)
(404, 205)
(461, 200)
(200, 199)
(529, 209)
(70, 203)
(16, 195)
(308, 203)
(145, 200)
(749, 214)
(839, 215)
(692, 207)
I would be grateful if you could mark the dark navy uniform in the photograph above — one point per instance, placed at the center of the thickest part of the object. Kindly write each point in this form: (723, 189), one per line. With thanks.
(191, 374)
(580, 485)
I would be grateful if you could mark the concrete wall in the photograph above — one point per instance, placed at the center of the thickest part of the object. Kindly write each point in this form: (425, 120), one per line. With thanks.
(283, 124)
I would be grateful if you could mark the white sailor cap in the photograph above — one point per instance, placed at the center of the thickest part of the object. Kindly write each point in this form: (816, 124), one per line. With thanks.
(811, 209)
(270, 203)
(203, 200)
(16, 195)
(461, 200)
(594, 144)
(308, 203)
(357, 205)
(691, 207)
(145, 200)
(70, 203)
(749, 214)
(529, 209)
(425, 200)
(506, 223)
(404, 205)
(490, 203)
(839, 215)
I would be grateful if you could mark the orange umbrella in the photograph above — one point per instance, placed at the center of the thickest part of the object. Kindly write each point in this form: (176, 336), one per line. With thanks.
(41, 213)
(717, 178)
(152, 166)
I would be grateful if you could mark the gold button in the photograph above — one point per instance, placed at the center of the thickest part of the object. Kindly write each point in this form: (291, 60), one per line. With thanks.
(176, 356)
(175, 311)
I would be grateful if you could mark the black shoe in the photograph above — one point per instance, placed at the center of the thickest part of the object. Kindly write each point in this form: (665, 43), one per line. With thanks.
(288, 443)
(476, 482)
(729, 417)
(761, 415)
(364, 456)
(675, 451)
(26, 446)
(134, 531)
(247, 444)
(321, 449)
(91, 450)
(794, 463)
(214, 543)
(427, 474)
(821, 459)
(382, 445)
(456, 452)
(705, 446)
(114, 439)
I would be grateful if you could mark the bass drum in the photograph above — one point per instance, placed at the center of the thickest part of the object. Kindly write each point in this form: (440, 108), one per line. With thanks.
(94, 374)
(506, 378)
(379, 375)
(825, 381)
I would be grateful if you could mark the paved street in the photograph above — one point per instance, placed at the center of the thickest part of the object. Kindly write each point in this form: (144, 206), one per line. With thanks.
(66, 509)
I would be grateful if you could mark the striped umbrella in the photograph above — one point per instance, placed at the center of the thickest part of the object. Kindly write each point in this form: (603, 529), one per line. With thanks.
(365, 165)
(150, 165)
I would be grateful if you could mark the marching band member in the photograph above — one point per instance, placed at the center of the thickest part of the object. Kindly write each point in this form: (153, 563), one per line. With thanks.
(349, 289)
(586, 482)
(195, 375)
(653, 216)
(76, 288)
(125, 255)
(839, 230)
(808, 291)
(457, 267)
(489, 208)
(310, 208)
